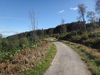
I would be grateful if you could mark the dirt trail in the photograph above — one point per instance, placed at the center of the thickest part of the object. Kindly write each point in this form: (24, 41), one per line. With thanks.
(67, 62)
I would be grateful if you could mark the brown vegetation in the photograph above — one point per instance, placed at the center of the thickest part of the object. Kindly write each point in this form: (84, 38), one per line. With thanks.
(24, 59)
(90, 51)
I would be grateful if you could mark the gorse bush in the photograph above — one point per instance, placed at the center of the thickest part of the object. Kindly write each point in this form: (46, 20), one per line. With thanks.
(84, 36)
(89, 38)
(76, 38)
(94, 34)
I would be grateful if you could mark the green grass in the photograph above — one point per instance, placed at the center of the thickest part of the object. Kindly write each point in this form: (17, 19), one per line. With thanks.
(44, 65)
(92, 62)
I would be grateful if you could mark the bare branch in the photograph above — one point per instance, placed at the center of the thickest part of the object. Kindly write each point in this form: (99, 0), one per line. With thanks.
(33, 22)
(91, 16)
(97, 6)
(82, 10)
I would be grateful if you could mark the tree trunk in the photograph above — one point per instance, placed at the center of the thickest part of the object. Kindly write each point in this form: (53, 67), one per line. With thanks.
(84, 25)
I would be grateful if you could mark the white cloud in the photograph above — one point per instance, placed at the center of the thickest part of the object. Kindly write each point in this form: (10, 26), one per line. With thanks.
(8, 33)
(74, 8)
(15, 32)
(62, 11)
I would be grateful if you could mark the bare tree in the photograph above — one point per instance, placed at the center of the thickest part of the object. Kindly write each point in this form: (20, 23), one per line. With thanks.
(63, 27)
(33, 23)
(97, 8)
(91, 16)
(62, 21)
(82, 10)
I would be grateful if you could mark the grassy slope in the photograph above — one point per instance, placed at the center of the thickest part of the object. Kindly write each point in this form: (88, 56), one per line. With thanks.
(8, 56)
(43, 66)
(26, 59)
(90, 37)
(90, 56)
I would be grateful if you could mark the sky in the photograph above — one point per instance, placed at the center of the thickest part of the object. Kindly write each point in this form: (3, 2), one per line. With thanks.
(14, 14)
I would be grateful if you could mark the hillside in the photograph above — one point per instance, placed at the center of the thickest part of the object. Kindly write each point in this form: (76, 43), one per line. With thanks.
(73, 32)
(89, 37)
(21, 44)
(50, 37)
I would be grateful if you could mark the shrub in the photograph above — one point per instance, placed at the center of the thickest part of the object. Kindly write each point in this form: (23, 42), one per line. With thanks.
(96, 44)
(5, 45)
(24, 42)
(88, 42)
(95, 34)
(56, 36)
(0, 44)
(75, 38)
(84, 36)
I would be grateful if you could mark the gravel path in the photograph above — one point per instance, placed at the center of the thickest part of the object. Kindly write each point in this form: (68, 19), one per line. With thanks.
(67, 62)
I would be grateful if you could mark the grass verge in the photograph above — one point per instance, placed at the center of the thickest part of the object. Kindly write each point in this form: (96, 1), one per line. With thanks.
(90, 56)
(44, 65)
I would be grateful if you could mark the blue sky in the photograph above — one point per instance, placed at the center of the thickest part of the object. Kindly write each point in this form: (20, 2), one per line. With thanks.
(14, 14)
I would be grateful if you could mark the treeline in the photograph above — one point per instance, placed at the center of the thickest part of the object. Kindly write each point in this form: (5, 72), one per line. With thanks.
(63, 28)
(23, 40)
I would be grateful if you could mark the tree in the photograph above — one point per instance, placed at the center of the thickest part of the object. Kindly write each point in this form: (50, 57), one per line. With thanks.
(97, 8)
(91, 16)
(62, 21)
(81, 12)
(63, 27)
(33, 23)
